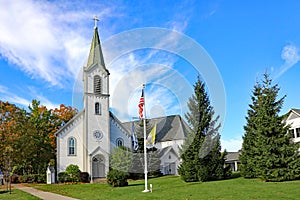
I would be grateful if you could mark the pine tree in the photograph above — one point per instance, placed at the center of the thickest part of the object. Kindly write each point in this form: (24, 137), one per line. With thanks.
(250, 152)
(268, 151)
(200, 153)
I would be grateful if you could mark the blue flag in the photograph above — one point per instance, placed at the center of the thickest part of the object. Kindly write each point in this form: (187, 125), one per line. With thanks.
(134, 139)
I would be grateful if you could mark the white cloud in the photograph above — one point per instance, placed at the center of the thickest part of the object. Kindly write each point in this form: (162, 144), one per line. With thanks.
(44, 38)
(6, 95)
(232, 145)
(155, 68)
(40, 97)
(3, 89)
(290, 55)
(49, 41)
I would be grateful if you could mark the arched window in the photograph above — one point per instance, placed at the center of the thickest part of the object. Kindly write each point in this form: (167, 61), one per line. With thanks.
(97, 84)
(97, 108)
(71, 146)
(120, 142)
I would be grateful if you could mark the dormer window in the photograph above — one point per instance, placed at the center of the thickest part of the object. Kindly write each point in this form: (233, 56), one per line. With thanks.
(97, 84)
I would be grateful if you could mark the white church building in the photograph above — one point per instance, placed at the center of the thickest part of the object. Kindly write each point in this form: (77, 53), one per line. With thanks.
(88, 138)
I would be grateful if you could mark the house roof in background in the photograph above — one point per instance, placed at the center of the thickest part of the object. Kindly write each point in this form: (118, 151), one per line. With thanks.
(167, 128)
(232, 156)
(296, 111)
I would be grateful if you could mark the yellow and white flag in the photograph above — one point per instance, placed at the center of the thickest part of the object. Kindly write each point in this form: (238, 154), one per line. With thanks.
(151, 137)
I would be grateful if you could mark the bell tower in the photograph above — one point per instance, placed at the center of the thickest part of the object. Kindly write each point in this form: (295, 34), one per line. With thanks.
(96, 133)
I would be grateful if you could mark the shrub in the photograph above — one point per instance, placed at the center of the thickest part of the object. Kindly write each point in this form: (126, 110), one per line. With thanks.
(84, 177)
(117, 178)
(40, 178)
(14, 179)
(31, 178)
(62, 177)
(23, 179)
(73, 172)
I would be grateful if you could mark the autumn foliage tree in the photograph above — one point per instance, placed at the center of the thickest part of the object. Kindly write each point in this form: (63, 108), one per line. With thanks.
(27, 137)
(13, 126)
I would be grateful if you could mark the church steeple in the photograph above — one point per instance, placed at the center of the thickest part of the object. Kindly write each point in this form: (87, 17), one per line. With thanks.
(96, 55)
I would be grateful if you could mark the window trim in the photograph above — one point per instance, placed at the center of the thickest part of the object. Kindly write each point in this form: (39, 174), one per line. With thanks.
(97, 108)
(297, 130)
(119, 140)
(69, 146)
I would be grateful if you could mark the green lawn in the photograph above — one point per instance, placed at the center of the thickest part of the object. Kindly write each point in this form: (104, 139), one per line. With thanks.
(171, 187)
(15, 194)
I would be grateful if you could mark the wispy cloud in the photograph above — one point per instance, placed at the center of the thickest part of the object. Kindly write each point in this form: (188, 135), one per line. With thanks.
(6, 95)
(129, 73)
(42, 39)
(232, 145)
(290, 55)
(48, 41)
(3, 89)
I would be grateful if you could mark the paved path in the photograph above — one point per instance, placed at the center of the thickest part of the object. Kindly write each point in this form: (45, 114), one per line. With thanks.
(42, 194)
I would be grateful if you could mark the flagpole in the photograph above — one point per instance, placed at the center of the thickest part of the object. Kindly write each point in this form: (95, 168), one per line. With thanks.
(145, 140)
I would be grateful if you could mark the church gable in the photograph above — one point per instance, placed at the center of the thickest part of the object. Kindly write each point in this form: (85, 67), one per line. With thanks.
(73, 123)
(119, 134)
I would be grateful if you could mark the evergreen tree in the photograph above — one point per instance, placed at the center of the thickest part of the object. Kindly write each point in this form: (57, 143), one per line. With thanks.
(250, 152)
(268, 151)
(200, 153)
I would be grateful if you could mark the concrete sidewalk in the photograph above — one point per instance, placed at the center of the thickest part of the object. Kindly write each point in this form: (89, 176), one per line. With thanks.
(42, 194)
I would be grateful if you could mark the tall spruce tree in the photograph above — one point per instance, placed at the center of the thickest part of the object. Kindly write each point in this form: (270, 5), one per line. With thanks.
(268, 151)
(200, 153)
(250, 152)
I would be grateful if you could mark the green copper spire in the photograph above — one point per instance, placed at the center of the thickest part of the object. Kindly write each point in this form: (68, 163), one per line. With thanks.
(96, 55)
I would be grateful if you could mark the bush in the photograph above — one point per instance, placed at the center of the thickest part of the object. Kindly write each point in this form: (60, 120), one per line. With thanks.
(23, 179)
(14, 179)
(117, 178)
(62, 177)
(32, 178)
(40, 178)
(73, 172)
(84, 177)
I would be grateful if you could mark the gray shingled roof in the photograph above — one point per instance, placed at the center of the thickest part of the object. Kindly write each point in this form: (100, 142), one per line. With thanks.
(165, 150)
(296, 110)
(232, 156)
(167, 128)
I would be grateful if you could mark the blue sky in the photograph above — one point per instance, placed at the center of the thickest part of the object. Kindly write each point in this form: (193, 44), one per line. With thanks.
(44, 44)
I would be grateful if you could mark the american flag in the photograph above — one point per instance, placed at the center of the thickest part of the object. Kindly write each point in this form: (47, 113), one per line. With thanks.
(141, 105)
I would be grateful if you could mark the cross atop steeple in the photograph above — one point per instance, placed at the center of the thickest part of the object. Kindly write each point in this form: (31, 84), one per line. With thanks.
(96, 55)
(96, 19)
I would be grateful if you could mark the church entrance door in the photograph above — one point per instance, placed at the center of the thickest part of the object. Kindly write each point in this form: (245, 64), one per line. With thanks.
(98, 166)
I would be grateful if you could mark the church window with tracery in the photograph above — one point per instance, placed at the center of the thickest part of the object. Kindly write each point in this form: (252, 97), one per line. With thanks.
(97, 84)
